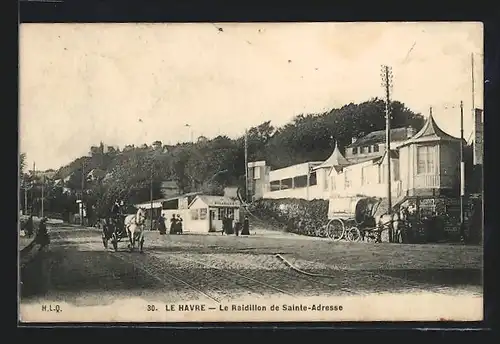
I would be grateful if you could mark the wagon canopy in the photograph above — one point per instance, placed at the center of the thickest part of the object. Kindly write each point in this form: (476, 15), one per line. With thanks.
(347, 207)
(366, 209)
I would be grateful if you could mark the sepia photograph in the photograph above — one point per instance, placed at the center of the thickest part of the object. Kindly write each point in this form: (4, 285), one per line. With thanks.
(250, 172)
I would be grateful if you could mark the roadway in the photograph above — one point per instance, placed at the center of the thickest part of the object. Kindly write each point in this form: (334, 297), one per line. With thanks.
(75, 269)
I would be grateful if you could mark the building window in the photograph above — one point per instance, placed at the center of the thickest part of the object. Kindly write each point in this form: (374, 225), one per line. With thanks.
(369, 148)
(364, 176)
(300, 181)
(256, 172)
(230, 212)
(396, 170)
(221, 213)
(225, 213)
(286, 183)
(325, 185)
(313, 179)
(355, 151)
(332, 181)
(426, 160)
(194, 214)
(382, 174)
(203, 214)
(347, 180)
(275, 185)
(375, 148)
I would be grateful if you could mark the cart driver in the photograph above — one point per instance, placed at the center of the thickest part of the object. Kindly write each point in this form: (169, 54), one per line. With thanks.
(115, 212)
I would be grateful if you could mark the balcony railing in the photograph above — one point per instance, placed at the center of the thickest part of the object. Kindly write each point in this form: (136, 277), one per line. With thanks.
(426, 181)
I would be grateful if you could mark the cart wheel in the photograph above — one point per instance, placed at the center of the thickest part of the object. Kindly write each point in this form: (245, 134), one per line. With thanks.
(353, 234)
(335, 229)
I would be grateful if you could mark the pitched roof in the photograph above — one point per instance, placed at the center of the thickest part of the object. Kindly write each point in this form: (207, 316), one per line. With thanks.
(397, 134)
(169, 184)
(394, 155)
(430, 132)
(161, 200)
(98, 173)
(336, 159)
(218, 201)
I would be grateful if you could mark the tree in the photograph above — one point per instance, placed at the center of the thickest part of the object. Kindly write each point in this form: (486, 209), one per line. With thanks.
(180, 159)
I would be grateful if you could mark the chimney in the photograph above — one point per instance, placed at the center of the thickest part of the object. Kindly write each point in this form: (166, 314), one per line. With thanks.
(353, 140)
(410, 132)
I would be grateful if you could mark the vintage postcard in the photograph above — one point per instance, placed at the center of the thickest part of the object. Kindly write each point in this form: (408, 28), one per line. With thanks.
(251, 172)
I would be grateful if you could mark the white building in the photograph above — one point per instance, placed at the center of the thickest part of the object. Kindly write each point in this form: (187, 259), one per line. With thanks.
(207, 213)
(425, 164)
(199, 213)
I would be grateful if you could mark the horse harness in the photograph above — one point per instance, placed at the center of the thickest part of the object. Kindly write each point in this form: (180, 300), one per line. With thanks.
(136, 222)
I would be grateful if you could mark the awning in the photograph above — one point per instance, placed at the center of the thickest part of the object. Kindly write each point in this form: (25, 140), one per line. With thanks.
(147, 205)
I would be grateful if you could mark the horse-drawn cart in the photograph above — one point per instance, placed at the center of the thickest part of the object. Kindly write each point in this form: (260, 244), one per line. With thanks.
(114, 230)
(353, 219)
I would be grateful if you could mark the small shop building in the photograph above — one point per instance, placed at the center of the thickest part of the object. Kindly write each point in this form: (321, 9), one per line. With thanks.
(206, 213)
(177, 205)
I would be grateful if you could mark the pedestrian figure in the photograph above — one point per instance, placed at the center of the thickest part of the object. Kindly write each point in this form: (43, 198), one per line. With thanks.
(179, 224)
(224, 225)
(229, 225)
(115, 212)
(161, 224)
(246, 227)
(237, 228)
(28, 228)
(42, 237)
(173, 222)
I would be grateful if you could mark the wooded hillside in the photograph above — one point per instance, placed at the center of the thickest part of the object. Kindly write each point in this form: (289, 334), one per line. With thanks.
(210, 164)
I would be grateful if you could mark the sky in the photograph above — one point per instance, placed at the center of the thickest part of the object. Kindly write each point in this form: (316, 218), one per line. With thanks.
(137, 83)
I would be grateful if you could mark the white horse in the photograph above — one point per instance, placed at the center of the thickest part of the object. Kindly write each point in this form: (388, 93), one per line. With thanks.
(134, 225)
(385, 221)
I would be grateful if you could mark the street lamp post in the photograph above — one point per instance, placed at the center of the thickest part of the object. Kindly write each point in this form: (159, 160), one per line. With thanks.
(462, 174)
(83, 190)
(43, 182)
(189, 126)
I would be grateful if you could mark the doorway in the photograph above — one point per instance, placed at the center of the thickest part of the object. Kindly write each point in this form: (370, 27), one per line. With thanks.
(211, 222)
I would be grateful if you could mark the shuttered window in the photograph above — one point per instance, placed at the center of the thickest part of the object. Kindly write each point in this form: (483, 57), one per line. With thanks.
(426, 160)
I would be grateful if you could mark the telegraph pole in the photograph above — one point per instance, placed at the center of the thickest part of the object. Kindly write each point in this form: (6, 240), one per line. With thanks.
(25, 198)
(190, 131)
(43, 182)
(462, 173)
(151, 194)
(83, 186)
(246, 166)
(33, 189)
(387, 84)
(473, 86)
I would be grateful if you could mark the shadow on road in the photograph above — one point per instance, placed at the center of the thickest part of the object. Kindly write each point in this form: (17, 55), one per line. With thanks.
(448, 277)
(68, 270)
(441, 276)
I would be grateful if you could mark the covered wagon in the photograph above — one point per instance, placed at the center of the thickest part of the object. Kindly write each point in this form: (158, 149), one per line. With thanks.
(353, 218)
